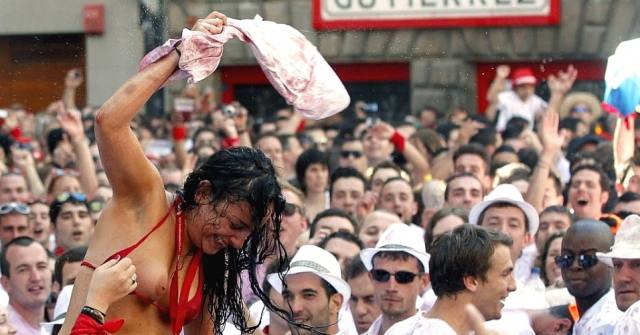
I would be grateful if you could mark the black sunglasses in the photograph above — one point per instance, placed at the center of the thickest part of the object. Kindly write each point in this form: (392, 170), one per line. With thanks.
(402, 277)
(347, 153)
(290, 209)
(584, 260)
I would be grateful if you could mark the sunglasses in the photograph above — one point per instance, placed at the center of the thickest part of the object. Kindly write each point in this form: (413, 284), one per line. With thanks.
(402, 277)
(291, 209)
(586, 261)
(9, 207)
(71, 196)
(347, 153)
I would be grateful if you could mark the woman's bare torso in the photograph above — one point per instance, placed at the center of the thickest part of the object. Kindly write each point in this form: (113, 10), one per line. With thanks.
(120, 227)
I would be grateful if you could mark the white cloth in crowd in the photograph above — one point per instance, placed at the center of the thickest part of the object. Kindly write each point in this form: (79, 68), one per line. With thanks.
(419, 324)
(428, 299)
(629, 323)
(524, 263)
(510, 105)
(600, 319)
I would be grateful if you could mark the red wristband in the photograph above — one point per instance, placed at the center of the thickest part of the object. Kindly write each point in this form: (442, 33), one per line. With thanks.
(15, 132)
(87, 325)
(301, 126)
(398, 141)
(230, 142)
(179, 133)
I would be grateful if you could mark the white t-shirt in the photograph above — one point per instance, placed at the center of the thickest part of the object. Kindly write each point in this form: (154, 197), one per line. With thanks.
(629, 323)
(600, 319)
(510, 105)
(419, 325)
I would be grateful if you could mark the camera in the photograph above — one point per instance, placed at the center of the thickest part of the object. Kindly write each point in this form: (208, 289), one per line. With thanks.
(371, 109)
(229, 111)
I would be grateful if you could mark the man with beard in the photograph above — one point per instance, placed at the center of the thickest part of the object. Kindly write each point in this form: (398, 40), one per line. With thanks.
(624, 258)
(588, 280)
(399, 269)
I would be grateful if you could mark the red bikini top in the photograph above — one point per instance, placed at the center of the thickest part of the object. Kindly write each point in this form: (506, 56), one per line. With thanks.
(181, 310)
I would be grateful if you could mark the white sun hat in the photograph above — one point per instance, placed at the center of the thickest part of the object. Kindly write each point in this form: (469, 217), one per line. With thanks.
(60, 311)
(509, 194)
(398, 237)
(318, 261)
(627, 243)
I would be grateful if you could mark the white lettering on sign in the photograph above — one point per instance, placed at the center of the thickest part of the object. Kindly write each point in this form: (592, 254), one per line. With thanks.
(416, 9)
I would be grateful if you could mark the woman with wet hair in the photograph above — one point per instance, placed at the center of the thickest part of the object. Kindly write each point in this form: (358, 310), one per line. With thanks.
(188, 249)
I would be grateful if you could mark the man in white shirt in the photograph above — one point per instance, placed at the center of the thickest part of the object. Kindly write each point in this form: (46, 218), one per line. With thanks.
(521, 101)
(505, 210)
(399, 269)
(588, 280)
(315, 293)
(26, 276)
(470, 265)
(624, 258)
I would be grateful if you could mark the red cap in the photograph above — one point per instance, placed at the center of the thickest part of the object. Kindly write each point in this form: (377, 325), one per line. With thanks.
(523, 76)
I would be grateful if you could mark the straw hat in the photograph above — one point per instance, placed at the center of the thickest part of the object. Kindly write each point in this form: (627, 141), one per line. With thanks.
(576, 98)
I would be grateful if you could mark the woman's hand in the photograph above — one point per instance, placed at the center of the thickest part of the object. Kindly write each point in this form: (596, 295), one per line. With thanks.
(111, 282)
(212, 24)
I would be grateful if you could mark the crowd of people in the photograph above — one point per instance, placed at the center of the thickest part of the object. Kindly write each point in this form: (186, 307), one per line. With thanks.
(522, 219)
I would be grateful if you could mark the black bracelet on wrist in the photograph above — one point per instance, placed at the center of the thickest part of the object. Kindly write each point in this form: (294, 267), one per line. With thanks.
(94, 314)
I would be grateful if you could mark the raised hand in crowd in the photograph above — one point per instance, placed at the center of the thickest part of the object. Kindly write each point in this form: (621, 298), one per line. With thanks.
(72, 81)
(552, 140)
(560, 85)
(71, 122)
(498, 85)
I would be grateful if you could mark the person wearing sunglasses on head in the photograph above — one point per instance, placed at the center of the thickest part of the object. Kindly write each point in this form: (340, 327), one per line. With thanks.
(399, 269)
(469, 266)
(72, 222)
(14, 221)
(588, 280)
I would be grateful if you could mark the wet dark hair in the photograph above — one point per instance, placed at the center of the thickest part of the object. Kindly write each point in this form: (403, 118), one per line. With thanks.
(466, 251)
(344, 235)
(239, 175)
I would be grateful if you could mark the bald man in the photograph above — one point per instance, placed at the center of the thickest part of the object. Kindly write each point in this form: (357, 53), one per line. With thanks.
(587, 279)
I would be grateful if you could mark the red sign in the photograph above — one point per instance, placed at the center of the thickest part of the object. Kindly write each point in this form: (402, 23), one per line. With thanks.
(93, 18)
(400, 14)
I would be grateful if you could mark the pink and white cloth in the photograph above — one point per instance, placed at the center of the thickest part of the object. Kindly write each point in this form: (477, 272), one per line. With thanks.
(292, 64)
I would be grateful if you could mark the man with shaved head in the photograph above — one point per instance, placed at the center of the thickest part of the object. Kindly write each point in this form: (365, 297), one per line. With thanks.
(587, 279)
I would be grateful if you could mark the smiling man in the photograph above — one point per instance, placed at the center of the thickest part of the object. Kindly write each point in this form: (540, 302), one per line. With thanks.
(588, 280)
(26, 277)
(588, 191)
(470, 265)
(399, 269)
(624, 258)
(314, 292)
